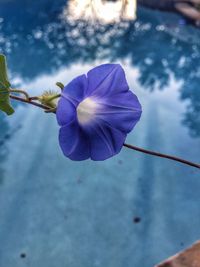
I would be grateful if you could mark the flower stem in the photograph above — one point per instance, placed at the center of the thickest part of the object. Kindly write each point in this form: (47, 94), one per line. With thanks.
(54, 97)
(33, 98)
(30, 102)
(153, 153)
(20, 92)
(162, 155)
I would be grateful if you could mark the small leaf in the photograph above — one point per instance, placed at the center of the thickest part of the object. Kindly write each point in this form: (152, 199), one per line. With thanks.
(4, 88)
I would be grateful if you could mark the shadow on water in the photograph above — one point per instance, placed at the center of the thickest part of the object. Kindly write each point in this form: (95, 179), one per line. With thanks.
(55, 40)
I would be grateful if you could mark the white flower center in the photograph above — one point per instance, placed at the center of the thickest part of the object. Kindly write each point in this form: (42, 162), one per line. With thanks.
(86, 110)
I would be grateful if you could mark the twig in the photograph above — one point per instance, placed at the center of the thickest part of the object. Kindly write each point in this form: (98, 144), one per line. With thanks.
(30, 102)
(163, 155)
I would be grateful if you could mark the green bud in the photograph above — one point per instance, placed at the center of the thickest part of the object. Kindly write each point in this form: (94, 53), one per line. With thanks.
(60, 85)
(49, 98)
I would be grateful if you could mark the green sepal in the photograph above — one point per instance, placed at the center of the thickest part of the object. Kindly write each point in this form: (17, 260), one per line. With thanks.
(49, 98)
(4, 88)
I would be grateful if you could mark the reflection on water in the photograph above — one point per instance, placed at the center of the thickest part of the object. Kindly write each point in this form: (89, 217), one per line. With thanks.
(7, 132)
(60, 40)
(192, 115)
(63, 213)
(101, 10)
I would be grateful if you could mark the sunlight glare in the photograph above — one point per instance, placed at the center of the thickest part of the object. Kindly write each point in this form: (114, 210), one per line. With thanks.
(104, 11)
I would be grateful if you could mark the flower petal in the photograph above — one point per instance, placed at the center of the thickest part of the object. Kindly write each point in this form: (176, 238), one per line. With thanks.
(72, 94)
(75, 90)
(105, 142)
(66, 112)
(73, 142)
(122, 111)
(111, 110)
(106, 79)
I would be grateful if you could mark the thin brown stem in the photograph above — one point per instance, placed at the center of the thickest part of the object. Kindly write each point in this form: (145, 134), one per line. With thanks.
(30, 102)
(126, 145)
(162, 155)
(33, 98)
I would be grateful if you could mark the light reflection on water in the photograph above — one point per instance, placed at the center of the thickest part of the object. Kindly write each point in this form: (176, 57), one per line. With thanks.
(81, 214)
(103, 11)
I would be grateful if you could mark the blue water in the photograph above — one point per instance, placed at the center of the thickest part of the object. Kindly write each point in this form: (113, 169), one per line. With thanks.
(55, 212)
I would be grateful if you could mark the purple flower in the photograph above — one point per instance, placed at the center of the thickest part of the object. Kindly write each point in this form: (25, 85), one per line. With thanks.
(95, 112)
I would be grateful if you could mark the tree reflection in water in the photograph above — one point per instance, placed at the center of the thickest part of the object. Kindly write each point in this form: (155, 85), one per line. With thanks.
(55, 39)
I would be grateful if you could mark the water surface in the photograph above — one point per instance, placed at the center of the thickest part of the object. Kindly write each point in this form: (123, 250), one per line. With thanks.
(131, 210)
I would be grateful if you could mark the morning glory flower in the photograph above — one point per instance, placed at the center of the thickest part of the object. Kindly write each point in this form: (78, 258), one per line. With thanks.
(96, 112)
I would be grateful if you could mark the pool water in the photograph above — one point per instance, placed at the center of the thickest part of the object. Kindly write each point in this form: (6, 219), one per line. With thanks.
(131, 210)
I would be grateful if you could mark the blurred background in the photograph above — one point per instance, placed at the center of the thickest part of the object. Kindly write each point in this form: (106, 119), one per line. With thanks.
(133, 209)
